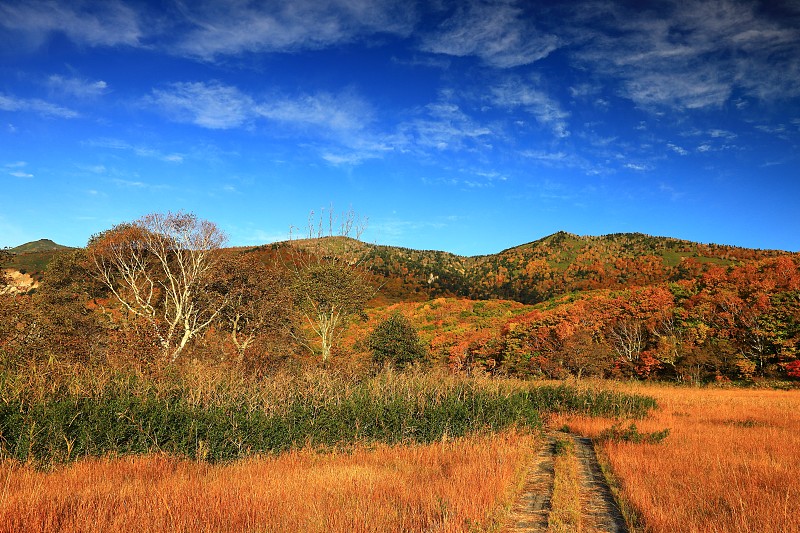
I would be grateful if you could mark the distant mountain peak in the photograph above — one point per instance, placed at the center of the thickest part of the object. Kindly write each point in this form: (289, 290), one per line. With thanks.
(42, 245)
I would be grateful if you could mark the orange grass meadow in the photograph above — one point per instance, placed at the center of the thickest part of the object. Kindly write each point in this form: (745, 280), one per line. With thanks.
(465, 484)
(731, 462)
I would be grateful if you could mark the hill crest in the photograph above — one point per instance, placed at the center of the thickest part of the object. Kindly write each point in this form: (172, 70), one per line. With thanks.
(42, 245)
(538, 270)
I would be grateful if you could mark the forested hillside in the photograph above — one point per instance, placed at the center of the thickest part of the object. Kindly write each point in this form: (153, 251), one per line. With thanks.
(616, 305)
(542, 269)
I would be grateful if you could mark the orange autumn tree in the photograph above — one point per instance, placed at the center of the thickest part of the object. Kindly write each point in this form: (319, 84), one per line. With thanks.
(158, 268)
(255, 288)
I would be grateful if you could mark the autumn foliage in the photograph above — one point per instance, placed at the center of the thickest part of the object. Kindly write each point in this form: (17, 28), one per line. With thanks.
(156, 340)
(731, 323)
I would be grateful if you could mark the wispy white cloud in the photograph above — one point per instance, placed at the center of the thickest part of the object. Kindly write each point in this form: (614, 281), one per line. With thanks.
(215, 105)
(779, 130)
(495, 31)
(480, 179)
(139, 150)
(35, 105)
(690, 90)
(211, 105)
(562, 159)
(21, 174)
(129, 183)
(678, 149)
(693, 54)
(724, 134)
(77, 87)
(16, 169)
(547, 157)
(106, 23)
(709, 140)
(443, 125)
(222, 27)
(515, 94)
(333, 112)
(357, 150)
(342, 126)
(138, 184)
(335, 126)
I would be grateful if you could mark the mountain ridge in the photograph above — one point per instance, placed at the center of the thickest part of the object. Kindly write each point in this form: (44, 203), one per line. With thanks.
(41, 245)
(529, 273)
(538, 270)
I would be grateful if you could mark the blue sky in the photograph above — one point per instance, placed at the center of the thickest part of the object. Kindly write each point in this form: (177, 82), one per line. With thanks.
(466, 126)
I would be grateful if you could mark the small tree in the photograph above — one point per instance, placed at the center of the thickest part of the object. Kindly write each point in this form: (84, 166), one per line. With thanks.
(582, 354)
(628, 338)
(65, 321)
(328, 287)
(327, 295)
(395, 341)
(158, 268)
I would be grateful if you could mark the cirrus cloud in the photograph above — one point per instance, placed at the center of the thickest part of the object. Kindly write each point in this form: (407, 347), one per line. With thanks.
(106, 23)
(224, 28)
(210, 105)
(691, 55)
(496, 32)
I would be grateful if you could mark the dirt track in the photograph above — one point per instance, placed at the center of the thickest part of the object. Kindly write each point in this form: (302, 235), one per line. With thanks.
(599, 512)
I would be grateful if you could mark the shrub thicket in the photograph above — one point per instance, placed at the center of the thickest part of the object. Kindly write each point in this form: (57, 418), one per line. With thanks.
(395, 341)
(222, 419)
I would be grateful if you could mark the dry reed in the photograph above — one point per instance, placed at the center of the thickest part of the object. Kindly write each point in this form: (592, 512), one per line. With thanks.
(459, 485)
(730, 462)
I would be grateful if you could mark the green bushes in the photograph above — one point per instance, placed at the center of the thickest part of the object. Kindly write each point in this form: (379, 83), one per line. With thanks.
(617, 433)
(62, 429)
(592, 402)
(395, 341)
(220, 419)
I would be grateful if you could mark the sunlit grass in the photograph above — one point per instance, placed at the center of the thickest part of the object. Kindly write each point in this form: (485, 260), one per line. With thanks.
(461, 485)
(565, 503)
(730, 462)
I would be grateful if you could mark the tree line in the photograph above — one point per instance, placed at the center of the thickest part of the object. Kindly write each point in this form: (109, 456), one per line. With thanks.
(730, 323)
(164, 287)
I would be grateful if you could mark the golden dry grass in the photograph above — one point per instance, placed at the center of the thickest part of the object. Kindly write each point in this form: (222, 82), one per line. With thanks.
(730, 464)
(461, 485)
(565, 514)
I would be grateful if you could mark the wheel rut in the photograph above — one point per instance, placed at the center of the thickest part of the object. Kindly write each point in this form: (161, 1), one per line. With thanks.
(531, 509)
(598, 507)
(599, 511)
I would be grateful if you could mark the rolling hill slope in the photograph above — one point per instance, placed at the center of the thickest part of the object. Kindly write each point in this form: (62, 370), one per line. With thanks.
(529, 273)
(33, 257)
(538, 270)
